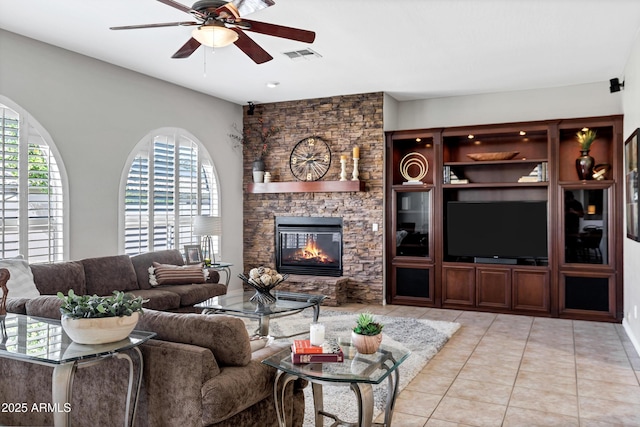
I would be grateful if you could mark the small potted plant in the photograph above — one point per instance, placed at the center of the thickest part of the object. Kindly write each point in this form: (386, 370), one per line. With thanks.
(367, 334)
(90, 319)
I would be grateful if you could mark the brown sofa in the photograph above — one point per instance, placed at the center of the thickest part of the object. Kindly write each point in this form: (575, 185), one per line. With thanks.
(199, 371)
(103, 275)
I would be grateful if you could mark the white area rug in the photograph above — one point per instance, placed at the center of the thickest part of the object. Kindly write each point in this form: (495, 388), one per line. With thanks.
(424, 338)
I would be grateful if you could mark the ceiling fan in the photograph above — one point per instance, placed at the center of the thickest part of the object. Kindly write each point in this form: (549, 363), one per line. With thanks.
(220, 23)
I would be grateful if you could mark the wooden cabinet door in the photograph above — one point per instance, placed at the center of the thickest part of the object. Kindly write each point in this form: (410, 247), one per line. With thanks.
(531, 290)
(459, 285)
(493, 287)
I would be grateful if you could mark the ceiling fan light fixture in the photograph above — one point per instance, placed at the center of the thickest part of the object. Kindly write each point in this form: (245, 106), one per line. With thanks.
(214, 35)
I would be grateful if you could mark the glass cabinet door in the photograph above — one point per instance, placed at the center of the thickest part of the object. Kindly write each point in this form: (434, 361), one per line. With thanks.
(413, 213)
(586, 226)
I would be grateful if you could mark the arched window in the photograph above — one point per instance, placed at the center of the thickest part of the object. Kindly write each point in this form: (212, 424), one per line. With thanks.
(31, 191)
(170, 180)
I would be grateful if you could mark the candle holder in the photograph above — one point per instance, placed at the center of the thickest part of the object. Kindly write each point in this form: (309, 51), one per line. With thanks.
(354, 175)
(343, 171)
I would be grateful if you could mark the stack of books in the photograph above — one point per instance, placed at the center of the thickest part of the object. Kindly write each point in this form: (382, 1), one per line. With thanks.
(303, 352)
(451, 178)
(538, 174)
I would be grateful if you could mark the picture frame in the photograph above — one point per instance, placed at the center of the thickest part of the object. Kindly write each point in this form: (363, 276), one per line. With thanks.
(193, 254)
(632, 205)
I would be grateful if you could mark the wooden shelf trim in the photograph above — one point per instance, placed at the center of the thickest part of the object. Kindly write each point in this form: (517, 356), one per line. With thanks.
(495, 162)
(498, 184)
(306, 187)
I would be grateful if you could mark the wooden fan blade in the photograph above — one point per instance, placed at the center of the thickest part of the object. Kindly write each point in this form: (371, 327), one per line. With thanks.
(279, 31)
(187, 49)
(165, 24)
(245, 7)
(251, 48)
(183, 8)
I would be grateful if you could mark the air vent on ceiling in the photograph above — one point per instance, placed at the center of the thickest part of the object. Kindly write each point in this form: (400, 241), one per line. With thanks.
(296, 55)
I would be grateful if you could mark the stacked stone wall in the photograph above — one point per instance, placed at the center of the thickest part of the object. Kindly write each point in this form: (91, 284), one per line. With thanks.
(344, 122)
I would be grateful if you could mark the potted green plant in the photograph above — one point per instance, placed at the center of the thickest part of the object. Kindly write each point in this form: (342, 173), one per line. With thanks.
(90, 319)
(367, 334)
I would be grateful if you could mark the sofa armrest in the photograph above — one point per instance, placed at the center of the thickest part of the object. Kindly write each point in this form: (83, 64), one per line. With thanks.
(17, 305)
(174, 374)
(214, 275)
(44, 306)
(225, 336)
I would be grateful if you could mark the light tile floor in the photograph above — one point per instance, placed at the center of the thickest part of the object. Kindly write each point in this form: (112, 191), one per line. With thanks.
(508, 370)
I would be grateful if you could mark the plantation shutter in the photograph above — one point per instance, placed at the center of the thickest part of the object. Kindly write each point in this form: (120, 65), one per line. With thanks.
(31, 199)
(169, 183)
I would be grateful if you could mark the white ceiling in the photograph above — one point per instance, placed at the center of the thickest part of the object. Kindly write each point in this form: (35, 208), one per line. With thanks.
(411, 49)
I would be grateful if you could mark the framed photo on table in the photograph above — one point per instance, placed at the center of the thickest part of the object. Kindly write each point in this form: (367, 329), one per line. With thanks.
(193, 254)
(631, 177)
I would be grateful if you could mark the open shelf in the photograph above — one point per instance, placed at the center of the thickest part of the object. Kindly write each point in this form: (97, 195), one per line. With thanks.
(306, 187)
(497, 185)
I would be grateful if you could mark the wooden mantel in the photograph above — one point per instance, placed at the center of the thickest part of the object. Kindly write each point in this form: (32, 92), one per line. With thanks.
(306, 187)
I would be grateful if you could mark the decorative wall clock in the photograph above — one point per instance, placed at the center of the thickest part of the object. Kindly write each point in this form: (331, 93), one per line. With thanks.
(310, 159)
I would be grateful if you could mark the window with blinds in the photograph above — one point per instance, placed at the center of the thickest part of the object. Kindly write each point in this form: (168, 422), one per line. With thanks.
(170, 181)
(31, 196)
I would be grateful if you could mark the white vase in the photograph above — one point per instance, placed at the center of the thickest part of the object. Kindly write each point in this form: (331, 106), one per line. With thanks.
(99, 330)
(258, 176)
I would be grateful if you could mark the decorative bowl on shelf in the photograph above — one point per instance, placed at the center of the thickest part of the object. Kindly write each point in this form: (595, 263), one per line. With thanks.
(500, 155)
(263, 280)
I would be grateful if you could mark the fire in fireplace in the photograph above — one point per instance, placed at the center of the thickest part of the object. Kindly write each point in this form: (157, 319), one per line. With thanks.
(309, 245)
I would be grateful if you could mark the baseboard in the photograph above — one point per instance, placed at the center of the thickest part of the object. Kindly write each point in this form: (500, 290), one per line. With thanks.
(632, 338)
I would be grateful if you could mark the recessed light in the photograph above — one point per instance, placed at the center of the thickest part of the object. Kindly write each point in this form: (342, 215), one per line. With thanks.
(522, 133)
(272, 84)
(418, 139)
(470, 136)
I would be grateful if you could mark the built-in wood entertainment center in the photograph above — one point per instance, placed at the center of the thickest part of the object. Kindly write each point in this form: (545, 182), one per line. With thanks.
(579, 273)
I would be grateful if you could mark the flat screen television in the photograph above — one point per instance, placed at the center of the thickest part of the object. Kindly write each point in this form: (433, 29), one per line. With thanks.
(497, 229)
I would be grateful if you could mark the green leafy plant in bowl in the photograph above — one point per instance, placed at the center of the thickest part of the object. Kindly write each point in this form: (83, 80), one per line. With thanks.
(367, 334)
(91, 306)
(90, 319)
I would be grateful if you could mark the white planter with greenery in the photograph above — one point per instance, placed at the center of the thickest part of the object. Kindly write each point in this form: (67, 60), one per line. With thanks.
(99, 320)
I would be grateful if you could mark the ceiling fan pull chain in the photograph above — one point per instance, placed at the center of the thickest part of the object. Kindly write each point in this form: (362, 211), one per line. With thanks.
(204, 62)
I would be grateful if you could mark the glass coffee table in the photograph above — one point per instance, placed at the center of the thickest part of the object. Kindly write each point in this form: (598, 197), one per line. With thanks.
(240, 304)
(358, 371)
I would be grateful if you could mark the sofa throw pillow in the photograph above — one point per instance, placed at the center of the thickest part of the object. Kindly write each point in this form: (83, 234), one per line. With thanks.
(167, 274)
(20, 284)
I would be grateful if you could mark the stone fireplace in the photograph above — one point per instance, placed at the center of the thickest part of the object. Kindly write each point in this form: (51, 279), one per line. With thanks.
(344, 122)
(309, 245)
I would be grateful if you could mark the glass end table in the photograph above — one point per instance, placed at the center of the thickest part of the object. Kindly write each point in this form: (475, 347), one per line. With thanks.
(43, 341)
(358, 371)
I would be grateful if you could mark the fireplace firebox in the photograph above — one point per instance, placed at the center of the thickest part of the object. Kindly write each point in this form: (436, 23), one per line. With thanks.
(309, 245)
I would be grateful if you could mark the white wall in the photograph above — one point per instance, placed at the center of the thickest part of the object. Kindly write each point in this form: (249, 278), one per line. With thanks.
(553, 103)
(631, 96)
(96, 113)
